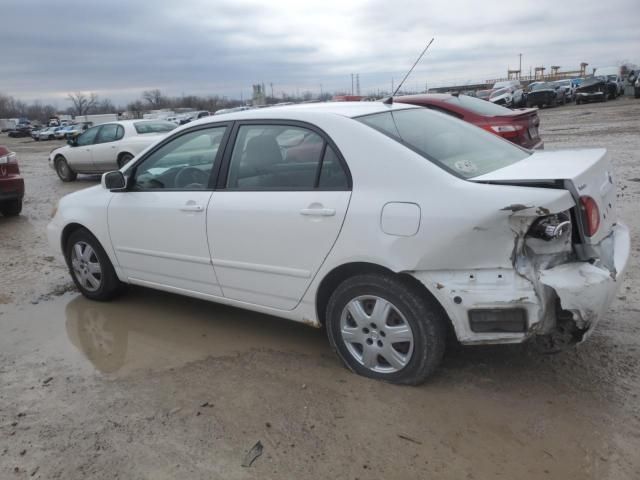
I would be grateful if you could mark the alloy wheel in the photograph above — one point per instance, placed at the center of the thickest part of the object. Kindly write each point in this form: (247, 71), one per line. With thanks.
(86, 266)
(376, 334)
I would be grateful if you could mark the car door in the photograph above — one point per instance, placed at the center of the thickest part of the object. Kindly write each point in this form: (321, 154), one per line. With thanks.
(105, 148)
(158, 225)
(282, 196)
(79, 156)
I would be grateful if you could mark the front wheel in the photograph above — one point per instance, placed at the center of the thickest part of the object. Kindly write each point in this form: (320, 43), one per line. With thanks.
(384, 329)
(64, 170)
(90, 267)
(11, 208)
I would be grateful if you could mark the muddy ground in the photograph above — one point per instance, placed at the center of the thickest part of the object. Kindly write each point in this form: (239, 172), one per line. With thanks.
(156, 386)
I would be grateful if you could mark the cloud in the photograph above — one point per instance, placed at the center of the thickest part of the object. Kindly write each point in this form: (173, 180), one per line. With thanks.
(120, 48)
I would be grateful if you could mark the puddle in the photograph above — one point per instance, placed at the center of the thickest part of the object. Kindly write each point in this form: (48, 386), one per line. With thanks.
(145, 329)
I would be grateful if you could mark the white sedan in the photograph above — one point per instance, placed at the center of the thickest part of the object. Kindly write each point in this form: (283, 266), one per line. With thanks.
(388, 224)
(106, 147)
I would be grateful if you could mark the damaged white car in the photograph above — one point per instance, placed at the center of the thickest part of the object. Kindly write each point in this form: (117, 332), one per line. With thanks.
(390, 225)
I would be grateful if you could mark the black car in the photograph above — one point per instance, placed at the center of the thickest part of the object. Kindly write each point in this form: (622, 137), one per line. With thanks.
(546, 93)
(596, 89)
(21, 130)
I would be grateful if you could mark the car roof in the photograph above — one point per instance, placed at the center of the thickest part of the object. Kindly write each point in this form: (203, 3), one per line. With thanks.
(310, 110)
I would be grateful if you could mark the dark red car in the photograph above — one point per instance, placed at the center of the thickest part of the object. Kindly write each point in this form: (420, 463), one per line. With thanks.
(518, 126)
(11, 183)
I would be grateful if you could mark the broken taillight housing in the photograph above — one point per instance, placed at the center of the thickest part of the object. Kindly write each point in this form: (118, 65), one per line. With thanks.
(591, 214)
(551, 227)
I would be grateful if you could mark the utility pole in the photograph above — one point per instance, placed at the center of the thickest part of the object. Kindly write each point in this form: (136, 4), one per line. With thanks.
(352, 84)
(321, 90)
(357, 84)
(271, 85)
(520, 67)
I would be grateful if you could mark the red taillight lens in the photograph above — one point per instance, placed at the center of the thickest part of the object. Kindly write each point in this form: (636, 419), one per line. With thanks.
(591, 213)
(506, 131)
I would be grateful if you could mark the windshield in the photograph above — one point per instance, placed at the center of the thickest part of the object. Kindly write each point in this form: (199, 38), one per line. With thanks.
(154, 127)
(478, 106)
(564, 83)
(613, 77)
(542, 86)
(456, 146)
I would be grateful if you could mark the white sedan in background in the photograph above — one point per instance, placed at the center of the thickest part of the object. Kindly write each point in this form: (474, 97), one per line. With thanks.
(391, 225)
(106, 147)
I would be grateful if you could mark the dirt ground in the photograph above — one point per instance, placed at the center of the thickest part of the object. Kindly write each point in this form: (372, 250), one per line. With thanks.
(156, 386)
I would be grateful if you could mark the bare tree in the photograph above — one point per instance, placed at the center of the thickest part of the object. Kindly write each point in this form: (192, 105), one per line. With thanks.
(154, 98)
(82, 102)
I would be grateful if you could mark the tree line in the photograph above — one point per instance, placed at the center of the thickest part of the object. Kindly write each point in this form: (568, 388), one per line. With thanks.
(81, 103)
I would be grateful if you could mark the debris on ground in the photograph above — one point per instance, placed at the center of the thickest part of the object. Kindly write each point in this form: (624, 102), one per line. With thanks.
(252, 454)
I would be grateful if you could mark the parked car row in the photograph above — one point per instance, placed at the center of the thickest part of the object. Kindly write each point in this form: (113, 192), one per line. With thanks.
(540, 94)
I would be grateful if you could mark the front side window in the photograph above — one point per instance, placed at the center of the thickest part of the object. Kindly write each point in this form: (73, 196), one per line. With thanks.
(88, 137)
(184, 163)
(108, 133)
(283, 157)
(456, 146)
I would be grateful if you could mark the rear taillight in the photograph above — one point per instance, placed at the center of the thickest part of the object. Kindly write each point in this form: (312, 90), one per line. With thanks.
(10, 158)
(591, 214)
(507, 131)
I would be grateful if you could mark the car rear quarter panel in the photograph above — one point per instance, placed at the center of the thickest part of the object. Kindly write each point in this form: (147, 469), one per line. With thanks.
(464, 226)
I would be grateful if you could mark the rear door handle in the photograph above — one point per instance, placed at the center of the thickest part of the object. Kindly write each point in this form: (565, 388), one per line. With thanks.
(318, 212)
(192, 208)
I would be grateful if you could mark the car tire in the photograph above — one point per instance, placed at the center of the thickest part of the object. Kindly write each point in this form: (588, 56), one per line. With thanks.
(123, 159)
(64, 170)
(419, 324)
(90, 267)
(11, 208)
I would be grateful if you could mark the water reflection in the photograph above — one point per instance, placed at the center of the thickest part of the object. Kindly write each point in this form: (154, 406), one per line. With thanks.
(149, 329)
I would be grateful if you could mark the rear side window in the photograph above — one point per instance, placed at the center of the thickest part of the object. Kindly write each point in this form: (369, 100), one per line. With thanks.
(154, 127)
(478, 106)
(283, 157)
(456, 146)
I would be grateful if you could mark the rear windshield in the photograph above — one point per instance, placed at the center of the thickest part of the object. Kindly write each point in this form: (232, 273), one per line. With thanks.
(154, 127)
(481, 107)
(456, 146)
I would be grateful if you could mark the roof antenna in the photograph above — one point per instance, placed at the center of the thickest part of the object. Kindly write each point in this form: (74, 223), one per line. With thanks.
(389, 100)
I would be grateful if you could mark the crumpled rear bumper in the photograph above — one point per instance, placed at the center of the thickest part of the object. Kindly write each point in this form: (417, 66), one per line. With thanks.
(587, 290)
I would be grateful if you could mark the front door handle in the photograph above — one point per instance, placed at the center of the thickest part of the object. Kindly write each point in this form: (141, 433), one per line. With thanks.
(192, 207)
(318, 212)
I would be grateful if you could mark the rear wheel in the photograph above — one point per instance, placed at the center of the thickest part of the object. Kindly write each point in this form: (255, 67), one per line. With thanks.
(64, 170)
(384, 329)
(90, 267)
(11, 208)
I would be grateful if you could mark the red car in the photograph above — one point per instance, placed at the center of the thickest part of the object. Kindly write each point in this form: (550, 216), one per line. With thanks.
(519, 126)
(11, 183)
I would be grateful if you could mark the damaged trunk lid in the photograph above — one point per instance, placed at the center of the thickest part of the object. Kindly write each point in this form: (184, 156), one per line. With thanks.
(587, 174)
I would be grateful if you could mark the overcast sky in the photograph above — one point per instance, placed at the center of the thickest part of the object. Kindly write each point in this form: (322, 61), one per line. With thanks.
(118, 48)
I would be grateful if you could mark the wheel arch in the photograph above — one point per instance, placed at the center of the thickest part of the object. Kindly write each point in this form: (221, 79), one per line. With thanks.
(67, 231)
(342, 272)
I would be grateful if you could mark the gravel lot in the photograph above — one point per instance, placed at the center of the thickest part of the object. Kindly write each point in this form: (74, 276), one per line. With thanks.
(156, 386)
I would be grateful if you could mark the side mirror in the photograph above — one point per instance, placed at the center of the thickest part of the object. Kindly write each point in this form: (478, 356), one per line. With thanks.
(73, 142)
(114, 181)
